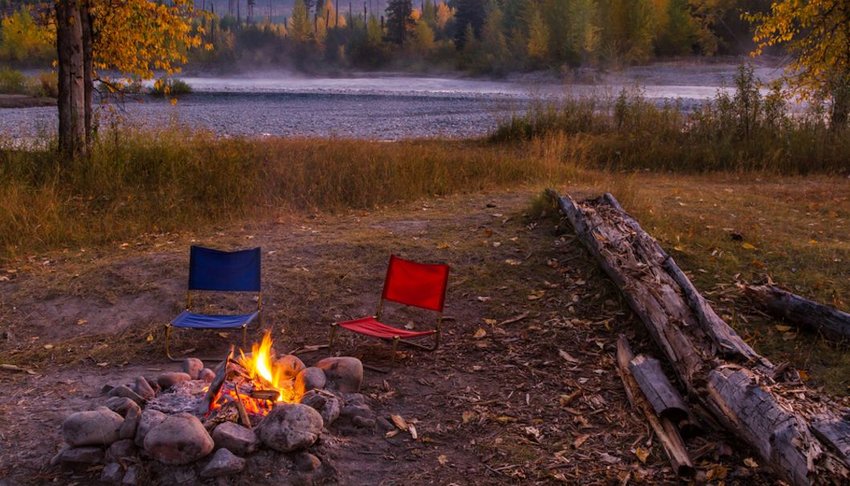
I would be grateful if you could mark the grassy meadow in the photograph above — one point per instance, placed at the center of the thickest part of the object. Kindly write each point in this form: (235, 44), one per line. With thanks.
(744, 164)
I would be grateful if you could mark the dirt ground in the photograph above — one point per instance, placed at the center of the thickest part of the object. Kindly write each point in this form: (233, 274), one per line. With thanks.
(522, 390)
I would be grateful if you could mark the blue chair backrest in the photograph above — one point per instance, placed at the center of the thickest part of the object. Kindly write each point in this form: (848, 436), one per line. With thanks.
(226, 271)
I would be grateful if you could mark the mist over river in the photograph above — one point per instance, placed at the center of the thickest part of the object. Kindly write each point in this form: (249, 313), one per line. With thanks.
(382, 107)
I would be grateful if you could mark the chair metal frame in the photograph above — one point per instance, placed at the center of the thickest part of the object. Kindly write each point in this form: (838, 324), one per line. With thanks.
(169, 327)
(397, 339)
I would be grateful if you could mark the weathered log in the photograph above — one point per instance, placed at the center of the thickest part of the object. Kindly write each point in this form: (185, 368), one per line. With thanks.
(664, 428)
(716, 367)
(657, 389)
(216, 384)
(800, 311)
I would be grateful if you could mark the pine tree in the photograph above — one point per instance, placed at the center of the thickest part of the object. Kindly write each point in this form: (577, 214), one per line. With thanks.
(399, 22)
(494, 45)
(468, 12)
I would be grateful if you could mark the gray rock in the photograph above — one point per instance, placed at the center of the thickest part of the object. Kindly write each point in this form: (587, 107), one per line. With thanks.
(384, 424)
(124, 391)
(344, 374)
(306, 462)
(351, 411)
(179, 439)
(363, 422)
(290, 426)
(353, 398)
(95, 427)
(79, 455)
(290, 365)
(149, 420)
(171, 378)
(193, 367)
(121, 405)
(207, 375)
(112, 473)
(236, 438)
(327, 404)
(144, 389)
(311, 378)
(131, 423)
(131, 477)
(121, 449)
(223, 463)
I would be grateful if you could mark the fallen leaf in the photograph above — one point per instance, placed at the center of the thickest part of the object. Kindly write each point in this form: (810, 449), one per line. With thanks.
(48, 346)
(751, 463)
(443, 246)
(609, 458)
(223, 335)
(412, 430)
(567, 356)
(536, 294)
(480, 333)
(483, 299)
(580, 440)
(391, 434)
(534, 433)
(504, 419)
(149, 338)
(103, 364)
(399, 422)
(81, 322)
(513, 262)
(490, 322)
(442, 459)
(747, 246)
(468, 416)
(783, 328)
(641, 454)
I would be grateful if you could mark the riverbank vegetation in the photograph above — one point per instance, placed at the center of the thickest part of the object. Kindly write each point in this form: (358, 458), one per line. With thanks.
(747, 130)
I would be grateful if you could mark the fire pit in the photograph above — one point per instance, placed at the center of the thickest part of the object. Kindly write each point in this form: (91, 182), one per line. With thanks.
(255, 410)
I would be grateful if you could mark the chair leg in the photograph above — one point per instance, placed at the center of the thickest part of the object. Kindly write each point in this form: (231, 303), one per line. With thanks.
(332, 338)
(168, 342)
(395, 347)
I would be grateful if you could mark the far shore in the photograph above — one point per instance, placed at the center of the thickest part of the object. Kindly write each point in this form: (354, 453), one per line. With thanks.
(25, 101)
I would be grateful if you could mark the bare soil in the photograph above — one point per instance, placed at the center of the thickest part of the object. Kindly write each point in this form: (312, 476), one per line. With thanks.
(522, 390)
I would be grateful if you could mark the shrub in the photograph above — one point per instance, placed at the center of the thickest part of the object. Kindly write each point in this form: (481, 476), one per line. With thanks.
(170, 87)
(12, 82)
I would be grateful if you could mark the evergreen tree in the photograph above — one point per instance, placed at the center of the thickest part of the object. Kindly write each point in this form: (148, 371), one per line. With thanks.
(468, 12)
(538, 37)
(494, 45)
(399, 22)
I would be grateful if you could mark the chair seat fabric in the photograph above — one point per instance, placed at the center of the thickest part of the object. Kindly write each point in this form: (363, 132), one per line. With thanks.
(372, 327)
(191, 320)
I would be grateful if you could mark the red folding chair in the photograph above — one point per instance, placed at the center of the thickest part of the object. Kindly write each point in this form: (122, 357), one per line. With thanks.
(412, 284)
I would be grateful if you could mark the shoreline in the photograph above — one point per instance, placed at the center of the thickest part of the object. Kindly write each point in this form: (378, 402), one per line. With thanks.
(25, 101)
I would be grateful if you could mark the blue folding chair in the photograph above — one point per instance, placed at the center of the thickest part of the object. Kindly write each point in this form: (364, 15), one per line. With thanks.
(218, 271)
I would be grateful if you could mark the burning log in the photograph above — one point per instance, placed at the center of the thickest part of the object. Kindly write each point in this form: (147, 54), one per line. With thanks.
(797, 435)
(215, 386)
(663, 426)
(800, 311)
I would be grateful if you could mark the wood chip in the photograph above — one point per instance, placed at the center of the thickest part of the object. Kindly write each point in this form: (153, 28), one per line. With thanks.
(399, 422)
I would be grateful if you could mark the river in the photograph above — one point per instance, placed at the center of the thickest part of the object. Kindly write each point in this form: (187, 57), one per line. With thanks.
(382, 107)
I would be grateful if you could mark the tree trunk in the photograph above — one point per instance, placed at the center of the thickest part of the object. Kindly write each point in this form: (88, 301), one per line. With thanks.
(796, 432)
(88, 68)
(797, 310)
(71, 102)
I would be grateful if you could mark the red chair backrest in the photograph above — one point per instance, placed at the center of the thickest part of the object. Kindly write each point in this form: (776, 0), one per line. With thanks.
(416, 284)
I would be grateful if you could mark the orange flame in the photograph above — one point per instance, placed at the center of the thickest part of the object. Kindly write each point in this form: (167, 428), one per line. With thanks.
(263, 371)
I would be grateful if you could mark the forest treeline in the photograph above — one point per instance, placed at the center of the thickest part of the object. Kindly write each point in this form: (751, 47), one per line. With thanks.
(480, 36)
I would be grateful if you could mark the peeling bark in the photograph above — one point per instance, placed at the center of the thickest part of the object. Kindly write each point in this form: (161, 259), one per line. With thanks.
(800, 435)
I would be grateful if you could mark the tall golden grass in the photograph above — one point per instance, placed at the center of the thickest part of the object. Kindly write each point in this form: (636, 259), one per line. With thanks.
(138, 182)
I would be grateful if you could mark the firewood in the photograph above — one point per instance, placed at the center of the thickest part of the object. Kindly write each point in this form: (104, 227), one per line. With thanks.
(216, 384)
(800, 311)
(664, 428)
(716, 367)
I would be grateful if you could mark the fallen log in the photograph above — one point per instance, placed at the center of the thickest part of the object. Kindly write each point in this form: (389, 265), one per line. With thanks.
(657, 389)
(665, 430)
(800, 311)
(715, 366)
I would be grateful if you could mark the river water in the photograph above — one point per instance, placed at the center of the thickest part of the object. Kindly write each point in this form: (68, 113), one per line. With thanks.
(382, 107)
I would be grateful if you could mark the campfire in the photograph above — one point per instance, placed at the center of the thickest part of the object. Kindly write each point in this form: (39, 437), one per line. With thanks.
(212, 423)
(253, 383)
